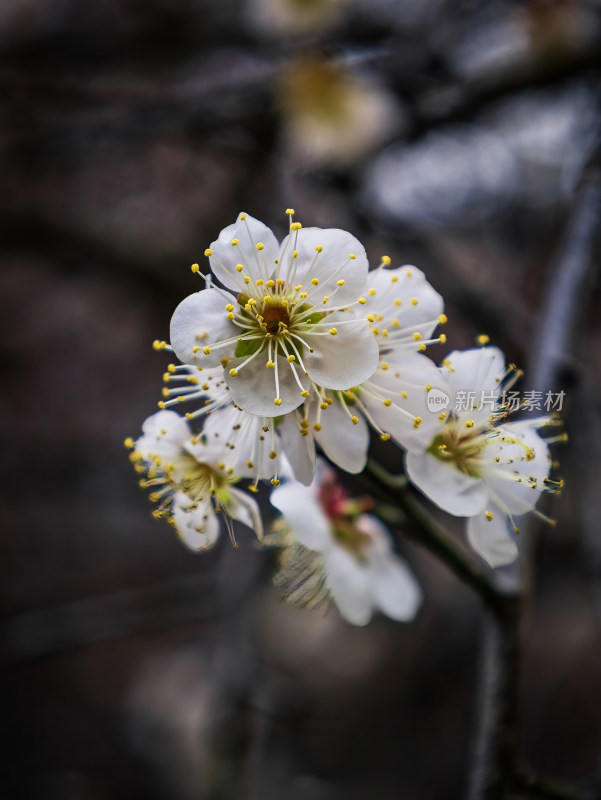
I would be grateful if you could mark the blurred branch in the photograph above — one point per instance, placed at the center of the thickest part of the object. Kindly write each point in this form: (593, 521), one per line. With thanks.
(562, 312)
(498, 724)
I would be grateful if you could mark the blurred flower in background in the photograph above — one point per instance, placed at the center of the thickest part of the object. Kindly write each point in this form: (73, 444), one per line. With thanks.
(333, 116)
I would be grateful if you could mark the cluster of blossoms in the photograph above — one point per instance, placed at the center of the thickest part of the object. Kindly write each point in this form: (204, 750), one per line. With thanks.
(296, 346)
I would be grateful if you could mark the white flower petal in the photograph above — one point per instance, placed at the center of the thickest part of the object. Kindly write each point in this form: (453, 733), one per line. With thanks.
(245, 510)
(329, 266)
(237, 438)
(349, 583)
(396, 591)
(164, 434)
(199, 321)
(447, 487)
(420, 304)
(257, 264)
(303, 513)
(409, 375)
(478, 370)
(345, 359)
(196, 523)
(254, 387)
(493, 540)
(299, 449)
(517, 479)
(343, 442)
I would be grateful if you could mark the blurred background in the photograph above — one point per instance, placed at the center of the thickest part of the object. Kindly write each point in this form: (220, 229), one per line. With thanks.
(458, 135)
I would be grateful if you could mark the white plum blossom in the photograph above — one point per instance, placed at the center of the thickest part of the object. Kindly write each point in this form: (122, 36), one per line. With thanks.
(284, 325)
(362, 573)
(473, 463)
(190, 481)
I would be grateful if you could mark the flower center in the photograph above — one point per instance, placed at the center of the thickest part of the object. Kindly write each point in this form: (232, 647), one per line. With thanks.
(459, 446)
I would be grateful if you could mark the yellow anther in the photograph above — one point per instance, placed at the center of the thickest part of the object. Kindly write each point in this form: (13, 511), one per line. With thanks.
(442, 319)
(323, 405)
(304, 393)
(206, 351)
(417, 422)
(442, 338)
(230, 316)
(386, 260)
(352, 256)
(291, 358)
(422, 347)
(442, 416)
(171, 367)
(315, 281)
(388, 402)
(304, 423)
(482, 339)
(229, 307)
(275, 482)
(267, 298)
(270, 364)
(295, 226)
(469, 423)
(355, 420)
(165, 391)
(272, 454)
(208, 252)
(250, 464)
(196, 348)
(417, 337)
(394, 279)
(195, 268)
(404, 394)
(239, 267)
(233, 372)
(384, 365)
(384, 437)
(409, 274)
(295, 254)
(234, 242)
(260, 282)
(243, 216)
(414, 301)
(290, 212)
(372, 292)
(325, 299)
(332, 331)
(489, 516)
(298, 287)
(398, 302)
(161, 404)
(128, 443)
(260, 246)
(362, 301)
(279, 281)
(270, 284)
(371, 318)
(166, 376)
(303, 295)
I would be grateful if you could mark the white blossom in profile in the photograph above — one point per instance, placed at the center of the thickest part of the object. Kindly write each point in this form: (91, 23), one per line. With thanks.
(190, 482)
(285, 324)
(472, 462)
(358, 566)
